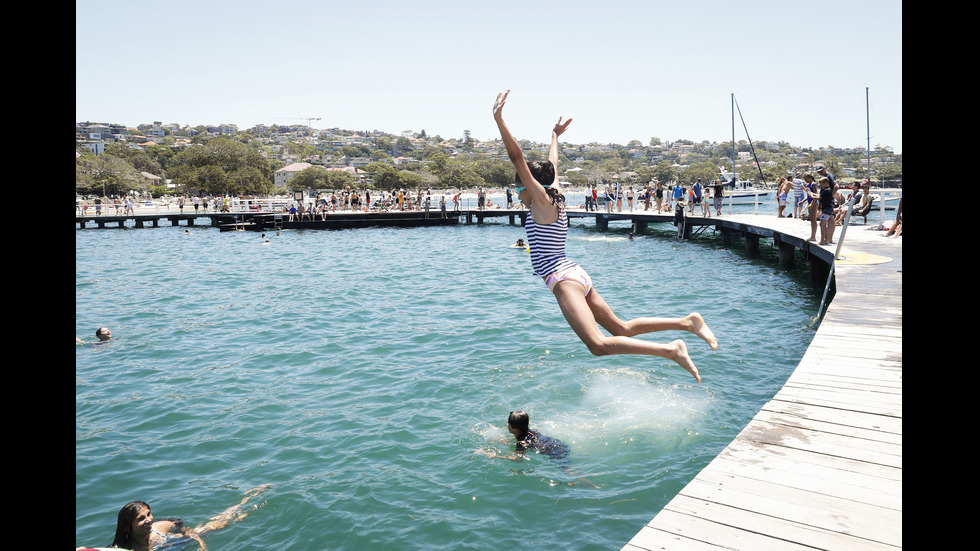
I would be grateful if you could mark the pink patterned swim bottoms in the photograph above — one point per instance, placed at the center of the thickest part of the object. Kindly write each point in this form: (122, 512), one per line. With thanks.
(575, 273)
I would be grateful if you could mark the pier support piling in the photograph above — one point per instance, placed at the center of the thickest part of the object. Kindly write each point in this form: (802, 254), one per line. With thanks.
(727, 236)
(752, 244)
(787, 252)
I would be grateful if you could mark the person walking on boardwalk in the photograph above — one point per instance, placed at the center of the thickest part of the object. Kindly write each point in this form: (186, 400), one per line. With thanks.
(547, 226)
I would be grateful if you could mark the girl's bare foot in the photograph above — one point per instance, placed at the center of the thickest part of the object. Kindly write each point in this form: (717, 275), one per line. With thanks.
(701, 329)
(683, 359)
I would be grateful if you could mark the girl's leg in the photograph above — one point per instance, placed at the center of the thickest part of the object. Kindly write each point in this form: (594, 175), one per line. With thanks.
(577, 311)
(229, 515)
(605, 317)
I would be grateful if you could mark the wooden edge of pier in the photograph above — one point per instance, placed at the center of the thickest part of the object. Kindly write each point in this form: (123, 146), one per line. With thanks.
(820, 465)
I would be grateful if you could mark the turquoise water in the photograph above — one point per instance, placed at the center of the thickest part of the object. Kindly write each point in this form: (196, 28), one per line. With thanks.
(359, 371)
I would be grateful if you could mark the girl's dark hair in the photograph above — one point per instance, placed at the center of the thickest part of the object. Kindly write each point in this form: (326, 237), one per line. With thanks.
(124, 524)
(544, 173)
(519, 420)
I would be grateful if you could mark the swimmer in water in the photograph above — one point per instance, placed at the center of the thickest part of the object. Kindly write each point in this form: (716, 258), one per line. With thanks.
(102, 333)
(518, 424)
(546, 226)
(136, 529)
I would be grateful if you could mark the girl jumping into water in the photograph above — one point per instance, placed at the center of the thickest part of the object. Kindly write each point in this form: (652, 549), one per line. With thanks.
(546, 226)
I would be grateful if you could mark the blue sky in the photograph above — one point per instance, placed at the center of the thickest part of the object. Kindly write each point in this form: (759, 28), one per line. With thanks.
(622, 70)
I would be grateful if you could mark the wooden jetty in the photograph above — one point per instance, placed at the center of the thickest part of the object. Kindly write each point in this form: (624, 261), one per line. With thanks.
(265, 221)
(820, 465)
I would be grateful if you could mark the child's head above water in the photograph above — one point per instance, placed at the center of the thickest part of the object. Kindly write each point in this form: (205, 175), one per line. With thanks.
(518, 422)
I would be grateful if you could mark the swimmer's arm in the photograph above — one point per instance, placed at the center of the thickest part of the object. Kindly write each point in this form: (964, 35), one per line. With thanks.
(517, 456)
(193, 534)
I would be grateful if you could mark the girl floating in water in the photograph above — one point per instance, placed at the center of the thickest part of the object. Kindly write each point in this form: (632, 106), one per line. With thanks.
(546, 226)
(136, 530)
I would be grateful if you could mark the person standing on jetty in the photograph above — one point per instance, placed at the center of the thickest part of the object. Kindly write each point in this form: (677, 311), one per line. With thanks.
(547, 226)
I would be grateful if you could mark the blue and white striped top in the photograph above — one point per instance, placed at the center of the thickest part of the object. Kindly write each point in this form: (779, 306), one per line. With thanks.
(547, 244)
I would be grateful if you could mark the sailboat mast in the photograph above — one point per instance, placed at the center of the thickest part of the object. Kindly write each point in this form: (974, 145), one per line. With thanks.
(867, 114)
(733, 136)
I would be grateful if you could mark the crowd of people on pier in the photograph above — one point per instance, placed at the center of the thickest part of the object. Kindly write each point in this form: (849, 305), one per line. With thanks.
(349, 200)
(655, 196)
(800, 196)
(816, 197)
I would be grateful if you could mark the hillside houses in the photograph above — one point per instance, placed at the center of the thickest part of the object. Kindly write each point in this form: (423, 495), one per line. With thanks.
(353, 151)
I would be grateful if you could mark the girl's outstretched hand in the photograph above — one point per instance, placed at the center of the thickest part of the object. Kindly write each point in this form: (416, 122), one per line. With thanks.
(498, 105)
(560, 128)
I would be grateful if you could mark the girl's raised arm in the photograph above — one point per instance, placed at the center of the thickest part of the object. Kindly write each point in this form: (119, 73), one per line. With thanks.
(510, 142)
(557, 131)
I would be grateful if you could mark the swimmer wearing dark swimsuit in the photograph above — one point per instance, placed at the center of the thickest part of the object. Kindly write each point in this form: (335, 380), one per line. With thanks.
(552, 447)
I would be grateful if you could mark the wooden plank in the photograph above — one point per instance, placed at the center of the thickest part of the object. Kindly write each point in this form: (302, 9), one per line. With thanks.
(848, 447)
(772, 502)
(687, 532)
(779, 533)
(828, 427)
(878, 484)
(877, 403)
(855, 419)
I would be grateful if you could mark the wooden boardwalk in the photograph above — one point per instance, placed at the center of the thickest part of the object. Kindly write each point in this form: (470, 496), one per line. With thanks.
(820, 466)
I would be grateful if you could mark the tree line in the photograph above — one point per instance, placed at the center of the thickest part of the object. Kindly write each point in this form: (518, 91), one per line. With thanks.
(237, 166)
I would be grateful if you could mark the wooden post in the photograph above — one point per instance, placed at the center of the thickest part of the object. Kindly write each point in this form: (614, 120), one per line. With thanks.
(752, 243)
(726, 236)
(787, 252)
(819, 271)
(639, 226)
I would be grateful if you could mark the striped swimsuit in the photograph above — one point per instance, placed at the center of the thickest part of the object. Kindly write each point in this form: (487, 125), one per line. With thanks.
(547, 245)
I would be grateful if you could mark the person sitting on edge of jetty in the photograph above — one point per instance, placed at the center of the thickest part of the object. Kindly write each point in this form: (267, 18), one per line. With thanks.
(546, 226)
(136, 530)
(518, 424)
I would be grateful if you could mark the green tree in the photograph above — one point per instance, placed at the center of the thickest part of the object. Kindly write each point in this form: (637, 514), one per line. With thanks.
(222, 166)
(705, 170)
(385, 176)
(665, 172)
(106, 174)
(151, 159)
